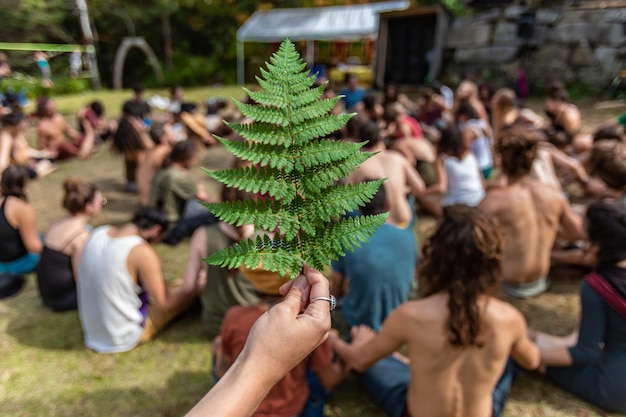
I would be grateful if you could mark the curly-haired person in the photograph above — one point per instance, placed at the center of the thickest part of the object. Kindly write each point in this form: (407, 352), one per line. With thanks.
(458, 336)
(530, 214)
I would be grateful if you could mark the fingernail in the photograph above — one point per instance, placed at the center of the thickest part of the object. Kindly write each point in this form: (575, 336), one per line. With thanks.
(301, 283)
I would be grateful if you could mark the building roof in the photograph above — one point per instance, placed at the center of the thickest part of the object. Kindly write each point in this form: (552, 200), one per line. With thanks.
(342, 23)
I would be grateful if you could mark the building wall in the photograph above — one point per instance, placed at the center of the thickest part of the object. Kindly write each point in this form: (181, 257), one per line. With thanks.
(572, 44)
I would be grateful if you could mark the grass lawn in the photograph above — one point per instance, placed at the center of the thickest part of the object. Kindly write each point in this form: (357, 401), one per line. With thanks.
(45, 370)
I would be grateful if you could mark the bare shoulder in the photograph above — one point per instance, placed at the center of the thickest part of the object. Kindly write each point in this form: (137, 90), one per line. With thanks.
(493, 200)
(143, 254)
(504, 312)
(545, 193)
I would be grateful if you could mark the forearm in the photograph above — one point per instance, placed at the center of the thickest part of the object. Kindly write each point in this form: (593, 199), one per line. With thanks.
(349, 355)
(237, 394)
(573, 257)
(558, 356)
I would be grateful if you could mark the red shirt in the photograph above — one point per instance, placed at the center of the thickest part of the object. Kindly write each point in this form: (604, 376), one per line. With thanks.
(416, 130)
(290, 394)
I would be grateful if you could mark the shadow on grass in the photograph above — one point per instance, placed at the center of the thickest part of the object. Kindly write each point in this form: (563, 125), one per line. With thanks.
(535, 394)
(35, 325)
(39, 327)
(180, 393)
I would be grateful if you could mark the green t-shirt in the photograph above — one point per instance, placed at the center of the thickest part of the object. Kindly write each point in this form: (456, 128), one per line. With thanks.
(622, 119)
(224, 289)
(171, 190)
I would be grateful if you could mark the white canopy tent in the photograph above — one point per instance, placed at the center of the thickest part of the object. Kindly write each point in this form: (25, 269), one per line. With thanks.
(339, 23)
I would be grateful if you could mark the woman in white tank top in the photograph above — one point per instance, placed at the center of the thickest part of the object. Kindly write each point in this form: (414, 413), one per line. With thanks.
(477, 134)
(459, 178)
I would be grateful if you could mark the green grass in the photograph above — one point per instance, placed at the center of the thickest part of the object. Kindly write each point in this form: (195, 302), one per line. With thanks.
(45, 370)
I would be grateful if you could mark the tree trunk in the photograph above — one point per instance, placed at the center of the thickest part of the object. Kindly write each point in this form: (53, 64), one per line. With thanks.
(167, 39)
(88, 35)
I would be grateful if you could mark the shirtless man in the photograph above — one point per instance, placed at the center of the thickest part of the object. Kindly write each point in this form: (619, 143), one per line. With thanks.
(530, 214)
(53, 130)
(163, 138)
(402, 179)
(458, 336)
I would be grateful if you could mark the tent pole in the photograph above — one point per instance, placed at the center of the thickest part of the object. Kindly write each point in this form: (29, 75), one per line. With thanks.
(240, 64)
(310, 52)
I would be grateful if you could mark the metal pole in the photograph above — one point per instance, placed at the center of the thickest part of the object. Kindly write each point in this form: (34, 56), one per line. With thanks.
(241, 66)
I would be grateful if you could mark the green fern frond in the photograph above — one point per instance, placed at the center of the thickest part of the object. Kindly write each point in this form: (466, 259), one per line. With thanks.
(274, 255)
(266, 98)
(308, 96)
(319, 128)
(263, 133)
(321, 176)
(318, 152)
(265, 180)
(263, 114)
(337, 237)
(264, 215)
(313, 110)
(297, 169)
(337, 200)
(259, 154)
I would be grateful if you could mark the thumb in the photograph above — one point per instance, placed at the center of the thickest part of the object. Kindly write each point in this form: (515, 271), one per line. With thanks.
(298, 295)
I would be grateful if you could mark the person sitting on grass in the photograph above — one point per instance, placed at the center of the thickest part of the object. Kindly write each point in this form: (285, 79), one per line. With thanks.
(174, 191)
(459, 177)
(57, 271)
(381, 271)
(607, 179)
(224, 288)
(14, 147)
(530, 213)
(20, 244)
(477, 133)
(402, 178)
(131, 142)
(277, 342)
(93, 114)
(123, 299)
(459, 336)
(53, 130)
(163, 138)
(591, 363)
(292, 394)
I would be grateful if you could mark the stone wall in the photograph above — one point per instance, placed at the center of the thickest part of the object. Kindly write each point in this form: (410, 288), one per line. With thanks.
(576, 45)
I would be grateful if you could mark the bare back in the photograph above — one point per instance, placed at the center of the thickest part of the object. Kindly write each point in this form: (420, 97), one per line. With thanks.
(402, 179)
(147, 168)
(51, 132)
(452, 381)
(530, 213)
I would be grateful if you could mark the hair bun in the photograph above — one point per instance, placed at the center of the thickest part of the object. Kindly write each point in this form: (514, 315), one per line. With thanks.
(72, 184)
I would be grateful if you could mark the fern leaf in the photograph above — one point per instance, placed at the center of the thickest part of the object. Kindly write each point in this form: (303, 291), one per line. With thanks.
(266, 98)
(322, 176)
(297, 169)
(272, 254)
(336, 238)
(337, 200)
(257, 180)
(313, 110)
(264, 215)
(260, 154)
(263, 132)
(319, 128)
(326, 151)
(263, 114)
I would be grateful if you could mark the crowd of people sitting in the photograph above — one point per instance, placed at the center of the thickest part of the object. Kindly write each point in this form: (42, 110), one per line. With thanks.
(515, 194)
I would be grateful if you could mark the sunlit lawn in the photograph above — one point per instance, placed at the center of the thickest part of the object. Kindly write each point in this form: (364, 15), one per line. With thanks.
(45, 370)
